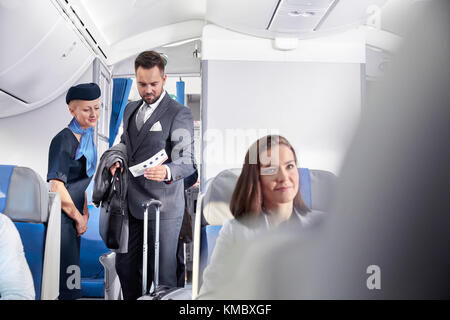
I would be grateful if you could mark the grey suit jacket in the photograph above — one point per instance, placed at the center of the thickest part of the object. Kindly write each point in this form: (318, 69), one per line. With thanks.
(177, 138)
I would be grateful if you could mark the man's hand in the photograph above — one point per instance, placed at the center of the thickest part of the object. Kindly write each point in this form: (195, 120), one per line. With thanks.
(158, 173)
(113, 168)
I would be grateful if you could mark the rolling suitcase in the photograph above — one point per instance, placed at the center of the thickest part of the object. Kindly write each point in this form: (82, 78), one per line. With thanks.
(157, 292)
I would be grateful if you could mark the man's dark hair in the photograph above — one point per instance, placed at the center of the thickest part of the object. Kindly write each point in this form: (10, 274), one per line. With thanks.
(149, 59)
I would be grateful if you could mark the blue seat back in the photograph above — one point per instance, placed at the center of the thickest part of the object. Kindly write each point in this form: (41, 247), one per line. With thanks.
(5, 180)
(33, 240)
(208, 236)
(24, 198)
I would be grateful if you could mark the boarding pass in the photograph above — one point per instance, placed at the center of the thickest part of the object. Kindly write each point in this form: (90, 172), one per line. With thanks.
(138, 169)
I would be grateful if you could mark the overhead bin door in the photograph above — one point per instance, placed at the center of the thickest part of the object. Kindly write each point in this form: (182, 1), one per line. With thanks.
(43, 53)
(22, 25)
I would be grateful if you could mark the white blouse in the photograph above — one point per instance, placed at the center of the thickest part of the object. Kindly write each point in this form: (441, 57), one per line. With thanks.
(230, 246)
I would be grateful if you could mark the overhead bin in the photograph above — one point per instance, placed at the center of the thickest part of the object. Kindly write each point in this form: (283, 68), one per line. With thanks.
(44, 55)
(20, 30)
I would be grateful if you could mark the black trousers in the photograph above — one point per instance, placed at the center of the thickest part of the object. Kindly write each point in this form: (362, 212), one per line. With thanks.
(181, 268)
(129, 265)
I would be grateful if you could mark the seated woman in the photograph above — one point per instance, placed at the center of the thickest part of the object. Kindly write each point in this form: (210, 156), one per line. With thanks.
(266, 196)
(16, 282)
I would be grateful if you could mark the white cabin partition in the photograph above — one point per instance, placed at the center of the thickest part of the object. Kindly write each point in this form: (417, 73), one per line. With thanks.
(311, 95)
(25, 138)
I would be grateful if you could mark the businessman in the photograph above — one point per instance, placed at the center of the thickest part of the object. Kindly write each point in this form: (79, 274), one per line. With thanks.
(151, 124)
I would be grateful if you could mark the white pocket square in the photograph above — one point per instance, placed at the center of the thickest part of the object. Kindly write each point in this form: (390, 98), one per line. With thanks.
(156, 127)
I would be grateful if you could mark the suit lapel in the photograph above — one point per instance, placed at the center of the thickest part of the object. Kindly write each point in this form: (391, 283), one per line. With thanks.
(129, 116)
(151, 121)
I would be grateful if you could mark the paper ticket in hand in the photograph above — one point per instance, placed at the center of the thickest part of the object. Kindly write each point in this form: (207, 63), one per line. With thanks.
(138, 169)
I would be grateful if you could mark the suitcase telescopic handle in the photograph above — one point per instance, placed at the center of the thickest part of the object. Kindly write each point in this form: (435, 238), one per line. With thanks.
(146, 204)
(152, 202)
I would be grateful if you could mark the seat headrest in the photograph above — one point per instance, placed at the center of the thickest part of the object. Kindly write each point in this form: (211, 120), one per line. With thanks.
(216, 200)
(26, 194)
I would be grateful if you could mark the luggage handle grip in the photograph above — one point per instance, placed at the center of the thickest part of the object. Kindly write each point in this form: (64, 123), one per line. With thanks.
(151, 202)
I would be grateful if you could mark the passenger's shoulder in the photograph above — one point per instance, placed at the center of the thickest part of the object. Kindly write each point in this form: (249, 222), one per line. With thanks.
(7, 228)
(313, 217)
(4, 221)
(235, 226)
(229, 225)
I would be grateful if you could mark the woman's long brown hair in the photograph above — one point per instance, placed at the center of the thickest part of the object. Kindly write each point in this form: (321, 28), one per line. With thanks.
(247, 199)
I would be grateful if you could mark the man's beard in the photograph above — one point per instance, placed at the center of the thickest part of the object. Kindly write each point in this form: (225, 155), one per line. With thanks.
(149, 100)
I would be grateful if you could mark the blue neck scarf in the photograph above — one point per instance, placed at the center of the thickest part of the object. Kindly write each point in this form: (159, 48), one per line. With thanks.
(86, 147)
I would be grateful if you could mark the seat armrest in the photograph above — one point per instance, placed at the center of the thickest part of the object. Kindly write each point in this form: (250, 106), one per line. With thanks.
(113, 290)
(196, 247)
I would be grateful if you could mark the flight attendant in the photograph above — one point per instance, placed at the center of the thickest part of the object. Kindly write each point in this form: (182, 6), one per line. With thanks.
(71, 166)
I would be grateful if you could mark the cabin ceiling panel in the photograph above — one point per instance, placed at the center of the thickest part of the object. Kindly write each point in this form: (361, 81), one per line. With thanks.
(119, 20)
(350, 13)
(125, 28)
(249, 16)
(299, 18)
(10, 106)
(396, 15)
(57, 57)
(150, 39)
(181, 60)
(44, 55)
(21, 29)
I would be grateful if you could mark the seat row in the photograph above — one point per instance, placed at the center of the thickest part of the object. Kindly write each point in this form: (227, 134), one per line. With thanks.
(24, 197)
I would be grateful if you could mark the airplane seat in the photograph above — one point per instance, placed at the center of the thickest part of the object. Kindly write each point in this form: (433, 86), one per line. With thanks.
(112, 287)
(91, 248)
(316, 187)
(36, 213)
(214, 211)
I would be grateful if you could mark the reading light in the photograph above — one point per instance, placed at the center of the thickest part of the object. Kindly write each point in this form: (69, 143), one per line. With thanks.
(299, 13)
